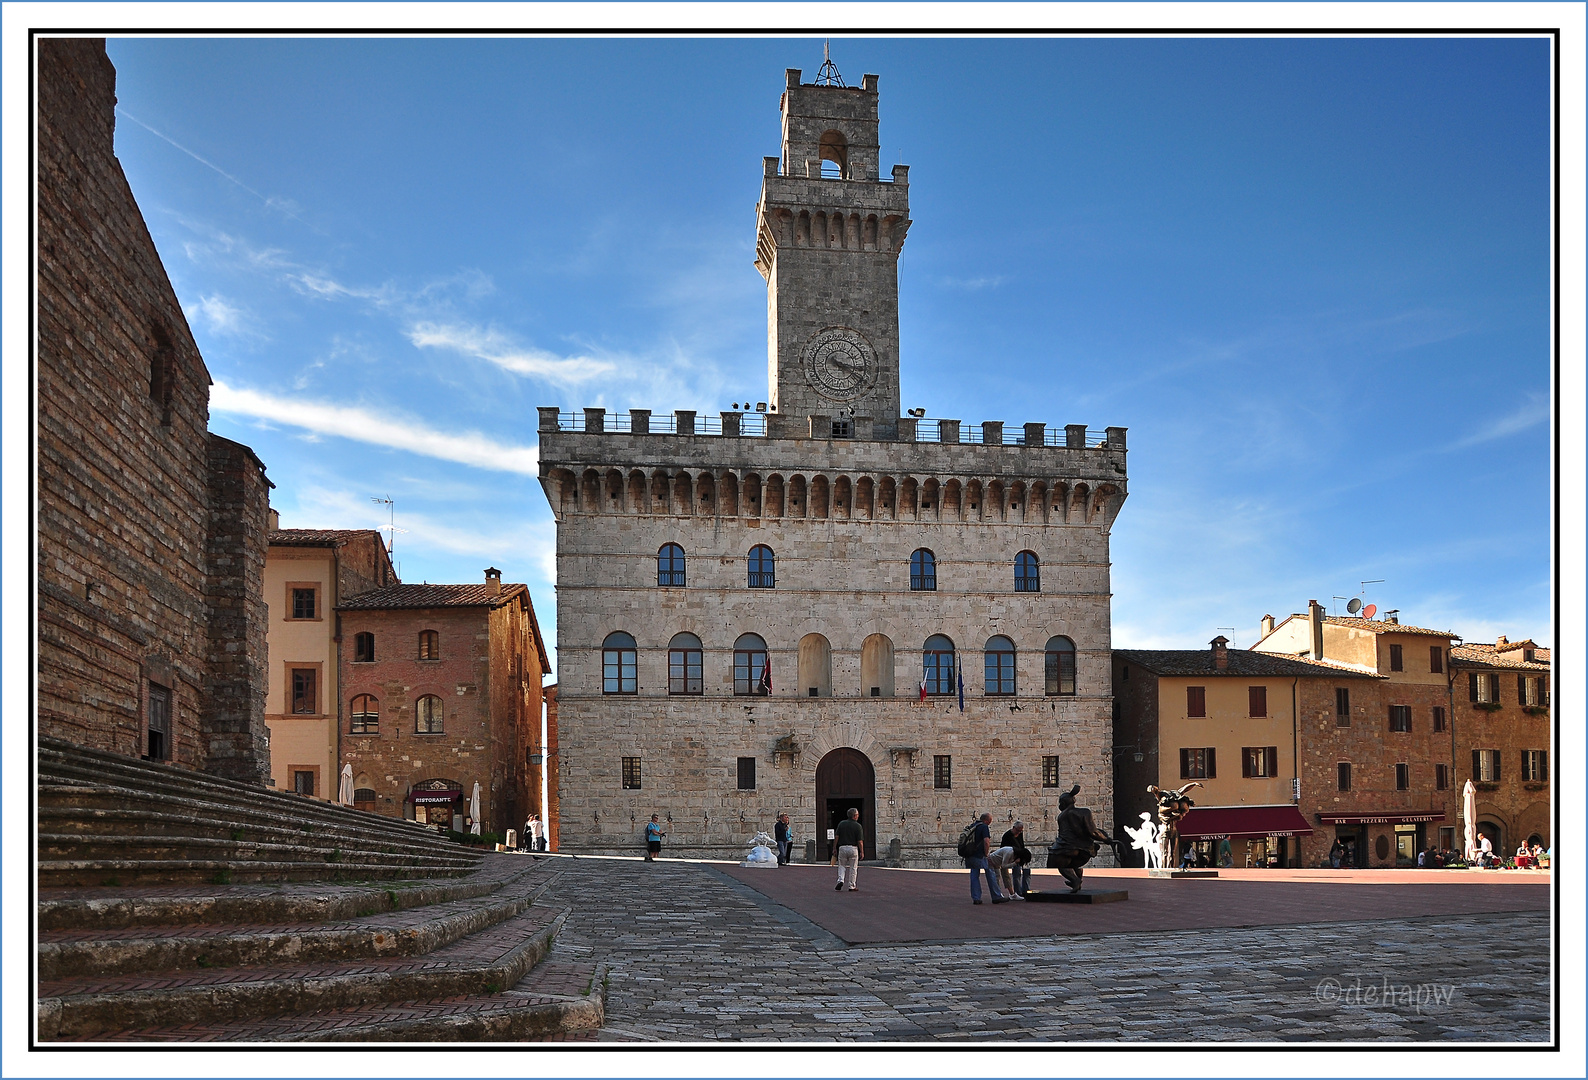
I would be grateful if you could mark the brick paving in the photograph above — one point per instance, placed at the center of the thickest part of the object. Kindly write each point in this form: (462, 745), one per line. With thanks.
(694, 955)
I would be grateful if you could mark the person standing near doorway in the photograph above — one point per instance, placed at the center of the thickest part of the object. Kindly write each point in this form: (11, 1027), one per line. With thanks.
(784, 836)
(851, 841)
(653, 839)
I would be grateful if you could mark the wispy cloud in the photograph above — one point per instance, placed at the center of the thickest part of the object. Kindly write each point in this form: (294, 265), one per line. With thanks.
(1533, 411)
(219, 315)
(975, 284)
(285, 206)
(497, 348)
(385, 429)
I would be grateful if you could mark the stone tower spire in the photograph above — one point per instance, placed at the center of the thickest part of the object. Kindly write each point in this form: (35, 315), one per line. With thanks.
(829, 232)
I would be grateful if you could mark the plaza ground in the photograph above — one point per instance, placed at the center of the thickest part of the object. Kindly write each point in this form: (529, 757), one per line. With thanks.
(708, 952)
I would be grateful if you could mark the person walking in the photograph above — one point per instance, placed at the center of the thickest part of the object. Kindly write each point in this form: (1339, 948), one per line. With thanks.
(982, 842)
(532, 829)
(1016, 838)
(653, 839)
(851, 841)
(784, 837)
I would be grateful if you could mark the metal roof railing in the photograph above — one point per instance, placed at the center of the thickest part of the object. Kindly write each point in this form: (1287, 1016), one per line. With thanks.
(754, 425)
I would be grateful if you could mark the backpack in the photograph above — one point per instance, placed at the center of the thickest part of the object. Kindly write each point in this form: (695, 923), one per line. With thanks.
(967, 842)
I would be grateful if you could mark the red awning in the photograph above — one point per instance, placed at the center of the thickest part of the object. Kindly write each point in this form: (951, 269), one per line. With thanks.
(418, 797)
(1370, 818)
(1216, 822)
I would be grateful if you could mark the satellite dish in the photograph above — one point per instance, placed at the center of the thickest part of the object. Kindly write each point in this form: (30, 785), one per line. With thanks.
(1354, 606)
(1370, 611)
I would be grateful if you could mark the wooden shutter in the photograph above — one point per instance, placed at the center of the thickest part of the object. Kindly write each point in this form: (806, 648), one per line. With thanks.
(1477, 765)
(1543, 765)
(1246, 762)
(1521, 689)
(1257, 701)
(1196, 701)
(1212, 766)
(1472, 685)
(1273, 760)
(1185, 764)
(1496, 756)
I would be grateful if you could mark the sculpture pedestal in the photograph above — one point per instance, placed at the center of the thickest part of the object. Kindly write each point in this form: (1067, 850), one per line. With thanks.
(1182, 873)
(1085, 896)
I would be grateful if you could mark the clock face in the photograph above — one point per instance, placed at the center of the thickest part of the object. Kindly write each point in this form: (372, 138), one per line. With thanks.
(840, 363)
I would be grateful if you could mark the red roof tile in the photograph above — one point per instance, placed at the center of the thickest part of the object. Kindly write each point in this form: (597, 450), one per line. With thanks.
(409, 597)
(1243, 663)
(320, 537)
(1378, 626)
(1477, 654)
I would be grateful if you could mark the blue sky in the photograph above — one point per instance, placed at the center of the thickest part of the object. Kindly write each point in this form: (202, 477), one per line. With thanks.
(1312, 278)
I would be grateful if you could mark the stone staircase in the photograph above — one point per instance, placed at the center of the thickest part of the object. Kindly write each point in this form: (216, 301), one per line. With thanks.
(177, 907)
(104, 819)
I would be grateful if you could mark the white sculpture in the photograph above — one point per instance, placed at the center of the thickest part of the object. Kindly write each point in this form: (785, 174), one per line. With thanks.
(762, 854)
(1145, 839)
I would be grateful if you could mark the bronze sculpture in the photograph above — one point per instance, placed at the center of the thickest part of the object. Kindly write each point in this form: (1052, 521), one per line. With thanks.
(1172, 806)
(1076, 841)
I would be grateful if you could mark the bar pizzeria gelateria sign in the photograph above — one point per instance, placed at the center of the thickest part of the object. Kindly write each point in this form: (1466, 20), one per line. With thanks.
(1379, 819)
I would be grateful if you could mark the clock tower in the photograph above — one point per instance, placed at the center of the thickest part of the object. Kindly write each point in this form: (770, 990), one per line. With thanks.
(829, 232)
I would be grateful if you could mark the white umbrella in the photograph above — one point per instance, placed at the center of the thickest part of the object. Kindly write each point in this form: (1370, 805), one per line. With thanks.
(344, 790)
(474, 809)
(1469, 812)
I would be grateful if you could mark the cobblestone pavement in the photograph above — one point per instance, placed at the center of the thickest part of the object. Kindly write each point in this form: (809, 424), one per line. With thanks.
(693, 955)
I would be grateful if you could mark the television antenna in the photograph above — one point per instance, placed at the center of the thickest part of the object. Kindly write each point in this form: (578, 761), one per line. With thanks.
(391, 525)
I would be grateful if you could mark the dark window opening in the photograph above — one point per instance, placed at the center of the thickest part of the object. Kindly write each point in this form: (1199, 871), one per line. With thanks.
(303, 603)
(923, 571)
(364, 648)
(1439, 718)
(303, 781)
(159, 740)
(763, 572)
(1400, 717)
(1395, 658)
(747, 774)
(428, 718)
(1058, 667)
(684, 665)
(1198, 763)
(1027, 573)
(1342, 775)
(1050, 771)
(303, 695)
(1259, 762)
(619, 664)
(942, 772)
(631, 774)
(751, 676)
(1342, 706)
(938, 665)
(1403, 776)
(429, 645)
(670, 565)
(1436, 659)
(1442, 777)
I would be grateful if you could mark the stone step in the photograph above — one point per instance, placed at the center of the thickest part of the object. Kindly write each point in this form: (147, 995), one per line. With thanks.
(113, 908)
(54, 847)
(68, 953)
(484, 963)
(112, 872)
(555, 1000)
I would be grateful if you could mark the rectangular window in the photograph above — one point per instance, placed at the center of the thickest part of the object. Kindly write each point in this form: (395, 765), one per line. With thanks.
(1342, 775)
(684, 671)
(1439, 718)
(1196, 701)
(1535, 765)
(1436, 659)
(1058, 668)
(1259, 761)
(304, 701)
(747, 774)
(1198, 763)
(1400, 718)
(1486, 766)
(1403, 776)
(303, 781)
(1342, 706)
(303, 605)
(1257, 701)
(999, 674)
(1484, 689)
(619, 671)
(1396, 663)
(631, 774)
(1050, 771)
(1442, 777)
(942, 772)
(159, 741)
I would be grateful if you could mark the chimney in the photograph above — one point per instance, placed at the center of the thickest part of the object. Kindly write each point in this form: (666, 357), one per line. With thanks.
(493, 581)
(1497, 641)
(1315, 617)
(273, 523)
(1393, 616)
(1221, 653)
(1268, 625)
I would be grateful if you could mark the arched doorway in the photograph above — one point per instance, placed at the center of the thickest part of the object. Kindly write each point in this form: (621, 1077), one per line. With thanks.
(845, 779)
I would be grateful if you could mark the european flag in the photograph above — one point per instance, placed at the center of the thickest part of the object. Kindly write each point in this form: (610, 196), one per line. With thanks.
(961, 675)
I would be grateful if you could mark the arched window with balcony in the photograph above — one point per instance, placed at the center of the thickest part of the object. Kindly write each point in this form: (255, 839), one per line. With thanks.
(619, 664)
(670, 565)
(428, 718)
(363, 716)
(763, 571)
(1027, 572)
(684, 665)
(1000, 654)
(751, 676)
(923, 571)
(364, 648)
(1059, 667)
(938, 665)
(429, 645)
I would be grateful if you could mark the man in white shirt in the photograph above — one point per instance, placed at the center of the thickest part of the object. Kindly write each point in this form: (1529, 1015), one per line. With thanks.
(1004, 861)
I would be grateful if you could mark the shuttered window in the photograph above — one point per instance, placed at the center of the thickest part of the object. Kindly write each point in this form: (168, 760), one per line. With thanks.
(1396, 662)
(1196, 701)
(1439, 718)
(1198, 763)
(1259, 761)
(1436, 659)
(1257, 701)
(1342, 706)
(1400, 717)
(747, 774)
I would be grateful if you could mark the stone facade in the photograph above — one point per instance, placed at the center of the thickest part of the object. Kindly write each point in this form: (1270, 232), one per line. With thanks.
(842, 491)
(151, 530)
(331, 564)
(484, 666)
(1509, 718)
(1385, 823)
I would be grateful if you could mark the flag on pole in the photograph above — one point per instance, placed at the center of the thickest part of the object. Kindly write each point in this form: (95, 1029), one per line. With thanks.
(923, 687)
(765, 686)
(961, 691)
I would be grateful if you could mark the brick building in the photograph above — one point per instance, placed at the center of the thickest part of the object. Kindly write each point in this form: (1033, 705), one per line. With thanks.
(1378, 762)
(1229, 721)
(151, 529)
(441, 689)
(775, 611)
(308, 572)
(1503, 734)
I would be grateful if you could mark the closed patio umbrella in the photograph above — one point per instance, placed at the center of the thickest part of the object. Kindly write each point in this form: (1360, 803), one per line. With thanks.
(344, 788)
(1469, 814)
(474, 809)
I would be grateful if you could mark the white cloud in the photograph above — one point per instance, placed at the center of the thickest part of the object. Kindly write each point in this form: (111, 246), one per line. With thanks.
(975, 284)
(384, 429)
(494, 346)
(1535, 410)
(221, 316)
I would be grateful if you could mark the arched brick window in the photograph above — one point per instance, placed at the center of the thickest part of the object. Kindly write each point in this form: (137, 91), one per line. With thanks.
(364, 716)
(428, 716)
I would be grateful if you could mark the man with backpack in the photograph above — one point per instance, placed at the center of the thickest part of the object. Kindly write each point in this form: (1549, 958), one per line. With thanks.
(974, 844)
